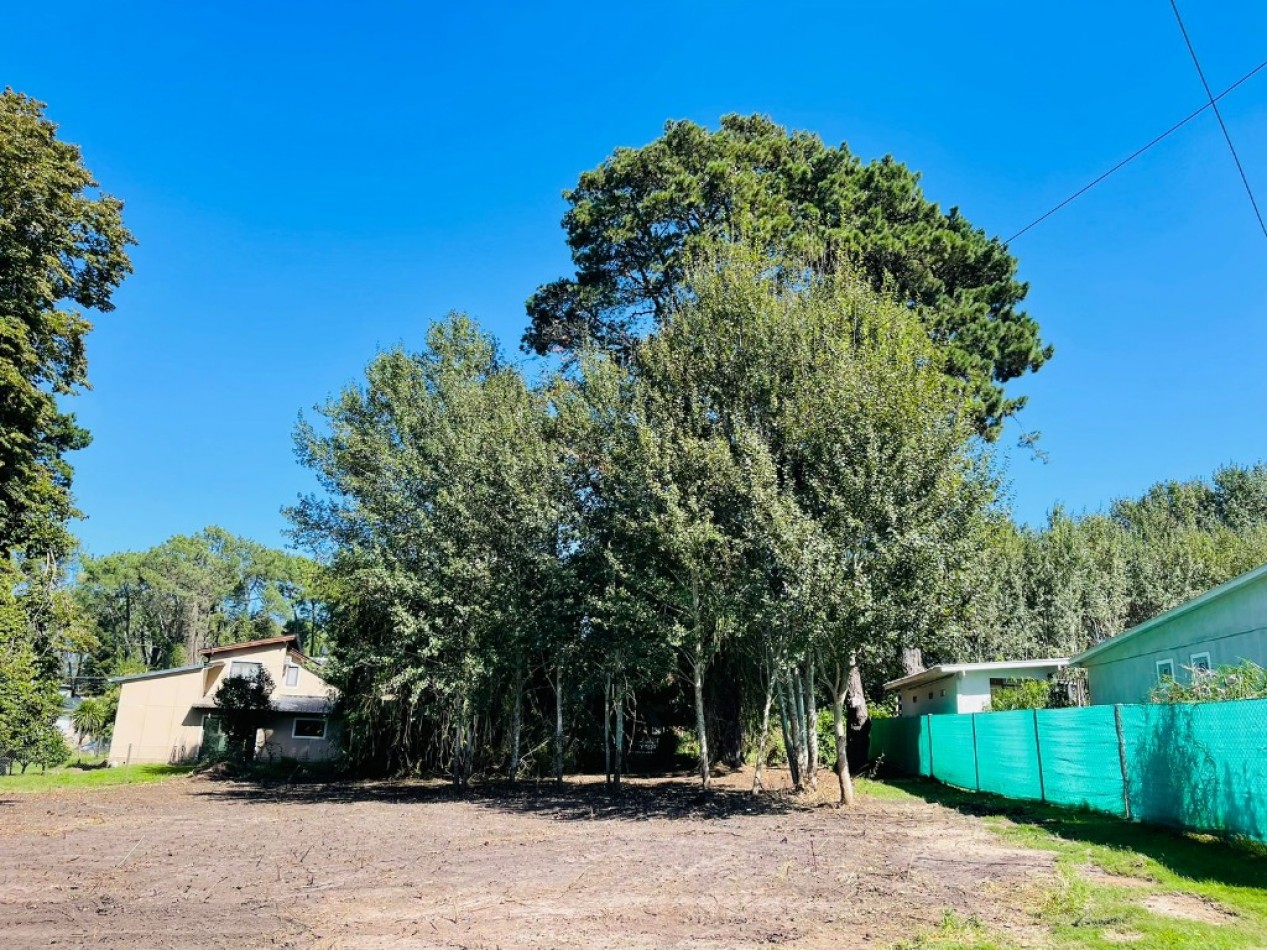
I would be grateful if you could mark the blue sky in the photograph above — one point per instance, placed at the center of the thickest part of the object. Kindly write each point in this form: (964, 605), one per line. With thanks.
(312, 182)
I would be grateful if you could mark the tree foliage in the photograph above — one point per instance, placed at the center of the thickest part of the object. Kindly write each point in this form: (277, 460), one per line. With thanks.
(63, 246)
(633, 222)
(160, 607)
(244, 704)
(782, 477)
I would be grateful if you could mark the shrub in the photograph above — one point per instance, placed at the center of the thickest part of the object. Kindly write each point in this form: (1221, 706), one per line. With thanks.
(1246, 680)
(1028, 694)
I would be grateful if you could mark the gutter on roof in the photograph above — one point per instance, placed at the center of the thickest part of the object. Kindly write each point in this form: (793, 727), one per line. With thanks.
(943, 670)
(152, 674)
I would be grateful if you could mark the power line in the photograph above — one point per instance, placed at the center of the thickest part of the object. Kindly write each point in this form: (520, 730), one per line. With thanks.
(1219, 115)
(1140, 151)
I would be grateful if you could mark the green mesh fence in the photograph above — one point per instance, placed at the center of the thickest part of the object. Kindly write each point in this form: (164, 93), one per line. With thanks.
(954, 759)
(1006, 741)
(1082, 765)
(1201, 766)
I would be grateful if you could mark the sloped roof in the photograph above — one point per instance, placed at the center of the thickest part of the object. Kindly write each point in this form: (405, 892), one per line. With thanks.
(1195, 603)
(302, 705)
(152, 674)
(249, 644)
(950, 669)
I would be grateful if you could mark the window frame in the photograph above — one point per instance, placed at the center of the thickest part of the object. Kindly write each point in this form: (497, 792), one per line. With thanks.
(1209, 665)
(1170, 662)
(217, 719)
(289, 670)
(294, 726)
(258, 668)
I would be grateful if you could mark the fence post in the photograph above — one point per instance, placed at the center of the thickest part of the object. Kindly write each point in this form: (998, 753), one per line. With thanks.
(1121, 760)
(1038, 751)
(932, 772)
(976, 761)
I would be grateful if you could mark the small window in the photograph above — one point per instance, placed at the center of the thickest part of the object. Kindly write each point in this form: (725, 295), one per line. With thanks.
(914, 698)
(943, 692)
(292, 675)
(1200, 663)
(211, 725)
(243, 668)
(930, 694)
(1165, 670)
(309, 729)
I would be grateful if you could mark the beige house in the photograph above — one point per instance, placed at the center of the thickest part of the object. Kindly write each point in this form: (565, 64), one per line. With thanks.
(169, 715)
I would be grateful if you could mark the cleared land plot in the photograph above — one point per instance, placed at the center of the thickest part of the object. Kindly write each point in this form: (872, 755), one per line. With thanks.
(196, 862)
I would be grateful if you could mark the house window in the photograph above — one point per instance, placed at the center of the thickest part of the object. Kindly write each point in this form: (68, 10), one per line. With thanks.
(243, 668)
(914, 698)
(1200, 663)
(292, 675)
(309, 729)
(930, 694)
(211, 725)
(1165, 670)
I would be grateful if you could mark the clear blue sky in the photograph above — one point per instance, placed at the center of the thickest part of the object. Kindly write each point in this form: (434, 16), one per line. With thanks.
(311, 182)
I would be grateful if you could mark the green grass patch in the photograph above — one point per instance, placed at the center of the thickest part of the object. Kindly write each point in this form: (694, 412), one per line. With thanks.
(71, 777)
(1118, 883)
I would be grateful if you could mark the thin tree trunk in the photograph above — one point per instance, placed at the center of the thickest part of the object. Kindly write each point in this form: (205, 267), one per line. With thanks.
(558, 724)
(618, 766)
(842, 743)
(811, 722)
(789, 747)
(607, 730)
(798, 723)
(764, 738)
(700, 720)
(516, 723)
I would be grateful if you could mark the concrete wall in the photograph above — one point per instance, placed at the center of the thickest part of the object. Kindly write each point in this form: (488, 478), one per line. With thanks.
(1231, 629)
(155, 722)
(930, 698)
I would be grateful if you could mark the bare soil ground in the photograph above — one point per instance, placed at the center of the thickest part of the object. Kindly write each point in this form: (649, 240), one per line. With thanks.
(199, 862)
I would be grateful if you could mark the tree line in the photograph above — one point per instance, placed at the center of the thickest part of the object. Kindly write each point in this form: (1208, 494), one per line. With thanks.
(752, 480)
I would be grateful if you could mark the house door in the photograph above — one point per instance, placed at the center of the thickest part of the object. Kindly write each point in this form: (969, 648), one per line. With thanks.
(213, 737)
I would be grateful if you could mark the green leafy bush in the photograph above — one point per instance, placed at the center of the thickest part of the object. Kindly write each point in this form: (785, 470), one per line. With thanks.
(1028, 694)
(1246, 680)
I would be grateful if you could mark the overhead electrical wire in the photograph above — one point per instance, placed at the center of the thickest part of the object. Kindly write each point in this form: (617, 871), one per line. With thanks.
(1219, 115)
(1141, 150)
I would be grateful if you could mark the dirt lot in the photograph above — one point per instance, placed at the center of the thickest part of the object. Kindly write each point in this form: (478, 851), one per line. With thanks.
(196, 862)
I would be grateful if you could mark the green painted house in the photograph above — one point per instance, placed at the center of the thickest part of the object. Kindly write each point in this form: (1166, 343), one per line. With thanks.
(1222, 627)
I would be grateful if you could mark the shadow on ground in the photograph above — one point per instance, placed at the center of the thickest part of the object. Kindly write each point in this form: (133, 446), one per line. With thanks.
(636, 801)
(1197, 857)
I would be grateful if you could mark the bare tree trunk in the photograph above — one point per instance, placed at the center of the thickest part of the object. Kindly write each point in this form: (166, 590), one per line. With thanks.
(701, 724)
(785, 722)
(859, 717)
(558, 724)
(796, 726)
(811, 723)
(516, 723)
(618, 766)
(764, 738)
(912, 660)
(842, 743)
(607, 730)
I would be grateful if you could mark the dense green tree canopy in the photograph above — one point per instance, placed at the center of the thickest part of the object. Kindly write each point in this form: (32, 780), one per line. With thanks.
(631, 219)
(159, 607)
(63, 246)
